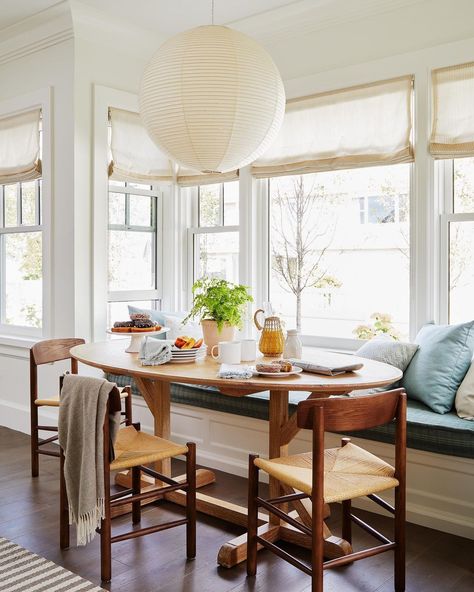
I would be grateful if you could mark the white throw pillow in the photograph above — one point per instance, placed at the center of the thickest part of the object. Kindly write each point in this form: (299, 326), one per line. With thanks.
(174, 322)
(464, 401)
(389, 351)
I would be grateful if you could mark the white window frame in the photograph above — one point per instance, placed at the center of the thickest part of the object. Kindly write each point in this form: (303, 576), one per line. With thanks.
(323, 341)
(444, 169)
(38, 99)
(153, 294)
(194, 230)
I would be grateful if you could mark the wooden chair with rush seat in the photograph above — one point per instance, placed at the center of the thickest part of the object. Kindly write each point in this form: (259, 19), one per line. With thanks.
(336, 475)
(132, 450)
(48, 352)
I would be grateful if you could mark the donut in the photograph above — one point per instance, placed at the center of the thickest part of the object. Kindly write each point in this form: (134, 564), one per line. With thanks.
(140, 316)
(121, 329)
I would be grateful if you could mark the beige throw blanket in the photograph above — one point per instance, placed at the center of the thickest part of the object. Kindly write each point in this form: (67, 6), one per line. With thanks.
(81, 420)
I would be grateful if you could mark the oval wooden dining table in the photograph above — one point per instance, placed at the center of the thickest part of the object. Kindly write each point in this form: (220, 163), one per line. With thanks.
(153, 383)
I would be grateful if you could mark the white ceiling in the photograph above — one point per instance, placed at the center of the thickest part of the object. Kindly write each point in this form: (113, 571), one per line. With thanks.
(164, 16)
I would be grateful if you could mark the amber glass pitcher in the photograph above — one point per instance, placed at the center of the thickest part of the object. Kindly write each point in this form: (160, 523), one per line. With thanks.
(272, 340)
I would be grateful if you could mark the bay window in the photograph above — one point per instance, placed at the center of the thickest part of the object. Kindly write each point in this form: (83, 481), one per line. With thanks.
(452, 143)
(21, 258)
(133, 247)
(21, 224)
(339, 249)
(213, 239)
(457, 242)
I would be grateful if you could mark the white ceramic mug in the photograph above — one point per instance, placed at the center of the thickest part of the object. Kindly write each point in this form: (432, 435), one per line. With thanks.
(249, 350)
(229, 352)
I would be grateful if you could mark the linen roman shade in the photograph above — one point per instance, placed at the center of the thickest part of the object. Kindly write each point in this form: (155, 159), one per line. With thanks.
(134, 155)
(20, 147)
(452, 133)
(365, 125)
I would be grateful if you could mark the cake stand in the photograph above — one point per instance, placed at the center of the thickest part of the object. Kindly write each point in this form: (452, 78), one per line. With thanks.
(136, 338)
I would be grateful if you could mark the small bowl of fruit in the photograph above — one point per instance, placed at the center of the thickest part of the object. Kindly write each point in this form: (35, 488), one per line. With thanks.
(187, 349)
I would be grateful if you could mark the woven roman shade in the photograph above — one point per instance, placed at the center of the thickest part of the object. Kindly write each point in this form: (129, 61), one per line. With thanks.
(134, 155)
(452, 133)
(361, 126)
(20, 147)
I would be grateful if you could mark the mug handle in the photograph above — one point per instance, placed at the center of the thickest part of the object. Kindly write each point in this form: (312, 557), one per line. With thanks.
(212, 352)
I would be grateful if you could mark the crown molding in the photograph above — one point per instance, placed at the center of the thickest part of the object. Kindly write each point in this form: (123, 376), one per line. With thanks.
(71, 19)
(35, 33)
(96, 26)
(309, 16)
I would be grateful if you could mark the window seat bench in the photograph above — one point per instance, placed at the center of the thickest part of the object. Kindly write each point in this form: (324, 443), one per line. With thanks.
(426, 430)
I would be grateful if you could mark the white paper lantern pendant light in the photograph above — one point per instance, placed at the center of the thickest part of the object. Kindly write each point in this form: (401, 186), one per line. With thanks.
(212, 99)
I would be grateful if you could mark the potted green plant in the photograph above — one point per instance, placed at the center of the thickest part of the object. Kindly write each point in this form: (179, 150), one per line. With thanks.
(220, 306)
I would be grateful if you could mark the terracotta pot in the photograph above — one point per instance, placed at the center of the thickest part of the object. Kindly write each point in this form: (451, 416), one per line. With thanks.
(212, 335)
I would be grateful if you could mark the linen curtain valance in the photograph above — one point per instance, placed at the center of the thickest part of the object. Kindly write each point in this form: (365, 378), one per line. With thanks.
(20, 147)
(452, 133)
(134, 155)
(360, 126)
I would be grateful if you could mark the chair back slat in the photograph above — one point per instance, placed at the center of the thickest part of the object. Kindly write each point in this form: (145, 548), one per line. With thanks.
(351, 413)
(53, 350)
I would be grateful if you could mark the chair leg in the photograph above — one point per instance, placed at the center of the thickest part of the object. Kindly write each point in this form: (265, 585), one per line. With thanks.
(191, 501)
(317, 546)
(346, 521)
(106, 533)
(128, 407)
(252, 516)
(63, 507)
(34, 441)
(400, 520)
(136, 506)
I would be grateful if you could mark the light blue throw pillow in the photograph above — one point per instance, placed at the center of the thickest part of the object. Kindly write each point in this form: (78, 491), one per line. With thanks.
(440, 364)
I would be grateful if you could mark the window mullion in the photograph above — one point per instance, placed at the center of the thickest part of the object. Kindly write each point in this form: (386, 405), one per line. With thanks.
(19, 197)
(221, 205)
(2, 279)
(2, 206)
(127, 210)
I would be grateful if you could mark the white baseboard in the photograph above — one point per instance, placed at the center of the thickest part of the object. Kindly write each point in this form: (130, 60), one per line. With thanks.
(440, 492)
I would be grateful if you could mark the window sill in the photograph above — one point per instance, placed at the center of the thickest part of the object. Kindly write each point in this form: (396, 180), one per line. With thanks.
(8, 342)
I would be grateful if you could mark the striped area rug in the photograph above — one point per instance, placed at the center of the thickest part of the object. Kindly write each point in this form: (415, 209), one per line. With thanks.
(22, 571)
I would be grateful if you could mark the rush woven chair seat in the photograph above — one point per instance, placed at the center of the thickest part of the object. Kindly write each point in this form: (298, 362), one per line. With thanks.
(133, 450)
(48, 352)
(336, 475)
(349, 472)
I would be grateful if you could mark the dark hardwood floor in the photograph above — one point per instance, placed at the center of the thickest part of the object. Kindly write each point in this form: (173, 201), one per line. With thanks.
(436, 562)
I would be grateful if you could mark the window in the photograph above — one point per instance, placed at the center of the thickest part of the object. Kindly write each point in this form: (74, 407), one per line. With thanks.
(214, 239)
(21, 266)
(458, 232)
(339, 249)
(133, 252)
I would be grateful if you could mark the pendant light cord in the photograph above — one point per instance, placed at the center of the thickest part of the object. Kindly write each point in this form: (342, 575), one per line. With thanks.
(212, 12)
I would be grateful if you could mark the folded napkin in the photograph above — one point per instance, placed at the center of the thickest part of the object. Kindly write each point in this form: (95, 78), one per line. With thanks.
(154, 352)
(234, 371)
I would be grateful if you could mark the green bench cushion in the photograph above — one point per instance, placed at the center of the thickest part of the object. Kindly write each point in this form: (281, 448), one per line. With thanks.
(426, 430)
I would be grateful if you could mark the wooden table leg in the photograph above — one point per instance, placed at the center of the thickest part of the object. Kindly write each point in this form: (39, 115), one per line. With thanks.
(278, 417)
(157, 397)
